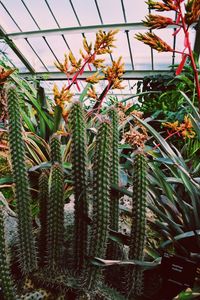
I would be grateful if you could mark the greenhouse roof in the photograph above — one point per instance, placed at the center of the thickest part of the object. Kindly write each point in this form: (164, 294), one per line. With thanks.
(35, 34)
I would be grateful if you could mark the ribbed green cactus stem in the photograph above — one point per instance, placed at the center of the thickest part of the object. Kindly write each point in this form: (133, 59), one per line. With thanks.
(26, 245)
(55, 149)
(138, 229)
(114, 197)
(6, 282)
(55, 219)
(43, 198)
(101, 200)
(79, 175)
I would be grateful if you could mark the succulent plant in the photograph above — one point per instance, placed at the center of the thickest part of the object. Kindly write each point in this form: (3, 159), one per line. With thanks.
(55, 151)
(114, 196)
(26, 243)
(138, 229)
(89, 243)
(6, 281)
(101, 199)
(55, 219)
(43, 198)
(79, 176)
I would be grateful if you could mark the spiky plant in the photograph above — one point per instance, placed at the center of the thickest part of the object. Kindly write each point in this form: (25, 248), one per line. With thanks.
(26, 244)
(101, 199)
(137, 238)
(114, 197)
(55, 219)
(43, 198)
(6, 282)
(79, 175)
(55, 151)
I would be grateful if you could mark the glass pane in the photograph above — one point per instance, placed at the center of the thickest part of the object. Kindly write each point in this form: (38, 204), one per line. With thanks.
(111, 11)
(20, 14)
(4, 48)
(141, 52)
(44, 52)
(63, 13)
(24, 47)
(135, 10)
(6, 22)
(43, 17)
(87, 12)
(122, 50)
(163, 60)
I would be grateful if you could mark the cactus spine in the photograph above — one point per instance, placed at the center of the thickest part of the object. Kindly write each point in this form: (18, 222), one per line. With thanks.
(5, 277)
(137, 239)
(55, 153)
(27, 250)
(101, 197)
(55, 219)
(114, 197)
(79, 175)
(43, 200)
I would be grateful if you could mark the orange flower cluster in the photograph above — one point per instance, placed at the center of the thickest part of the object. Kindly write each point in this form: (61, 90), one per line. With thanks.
(192, 11)
(114, 74)
(63, 99)
(166, 5)
(103, 44)
(104, 41)
(4, 75)
(153, 41)
(157, 21)
(92, 93)
(70, 65)
(185, 129)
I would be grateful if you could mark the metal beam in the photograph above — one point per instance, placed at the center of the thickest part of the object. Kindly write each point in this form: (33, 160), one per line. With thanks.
(16, 51)
(79, 29)
(132, 75)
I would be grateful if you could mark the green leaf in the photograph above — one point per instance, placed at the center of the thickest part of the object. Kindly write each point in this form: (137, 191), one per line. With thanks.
(142, 264)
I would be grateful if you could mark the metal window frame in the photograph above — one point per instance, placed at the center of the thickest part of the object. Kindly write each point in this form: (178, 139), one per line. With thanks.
(10, 39)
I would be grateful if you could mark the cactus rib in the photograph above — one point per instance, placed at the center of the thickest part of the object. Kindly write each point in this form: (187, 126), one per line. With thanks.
(55, 152)
(101, 197)
(27, 250)
(138, 229)
(79, 174)
(114, 197)
(55, 219)
(43, 198)
(5, 276)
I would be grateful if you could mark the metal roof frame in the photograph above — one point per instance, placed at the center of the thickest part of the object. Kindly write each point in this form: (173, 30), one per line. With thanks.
(10, 39)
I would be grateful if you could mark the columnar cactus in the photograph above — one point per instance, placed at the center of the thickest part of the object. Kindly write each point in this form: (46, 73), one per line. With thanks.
(43, 201)
(101, 199)
(6, 282)
(79, 175)
(55, 151)
(137, 239)
(26, 245)
(114, 197)
(55, 219)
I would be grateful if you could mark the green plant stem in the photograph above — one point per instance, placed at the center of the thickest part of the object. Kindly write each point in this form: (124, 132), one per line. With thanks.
(6, 282)
(26, 245)
(55, 150)
(101, 199)
(79, 174)
(138, 228)
(55, 219)
(114, 196)
(43, 201)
